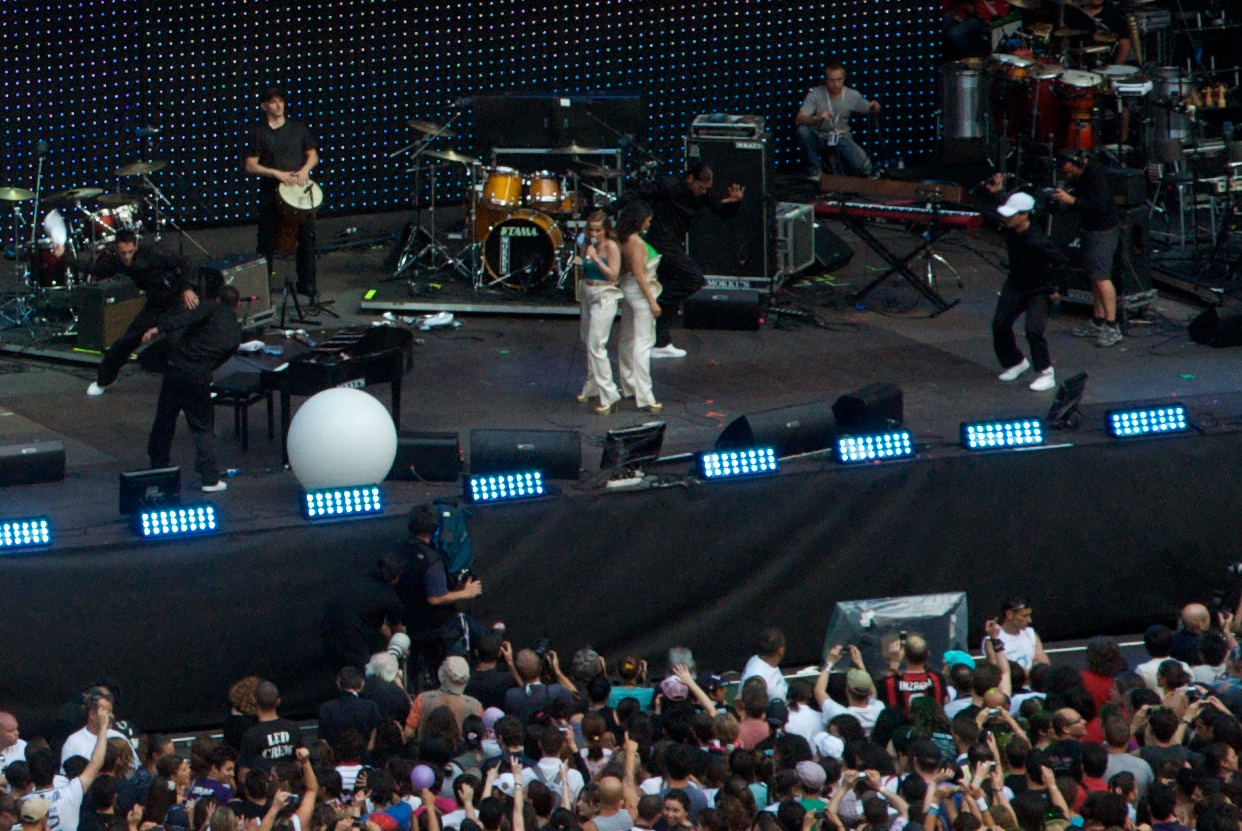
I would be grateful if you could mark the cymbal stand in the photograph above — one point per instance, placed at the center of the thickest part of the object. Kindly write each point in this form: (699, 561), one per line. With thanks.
(436, 253)
(158, 199)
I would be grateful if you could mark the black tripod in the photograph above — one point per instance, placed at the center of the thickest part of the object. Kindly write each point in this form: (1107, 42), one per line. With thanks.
(315, 306)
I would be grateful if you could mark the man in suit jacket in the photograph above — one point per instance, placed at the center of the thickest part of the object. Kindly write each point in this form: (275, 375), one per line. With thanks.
(348, 711)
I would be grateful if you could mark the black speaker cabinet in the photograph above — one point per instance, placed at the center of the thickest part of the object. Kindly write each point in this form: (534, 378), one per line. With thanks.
(427, 456)
(874, 407)
(245, 272)
(740, 245)
(1131, 265)
(1219, 326)
(712, 308)
(105, 308)
(32, 462)
(558, 453)
(831, 252)
(791, 430)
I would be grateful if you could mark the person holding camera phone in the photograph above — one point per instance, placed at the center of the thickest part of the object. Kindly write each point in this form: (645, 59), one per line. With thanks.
(533, 694)
(1011, 632)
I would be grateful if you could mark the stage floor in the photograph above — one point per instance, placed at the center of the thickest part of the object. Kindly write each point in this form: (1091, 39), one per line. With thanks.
(508, 371)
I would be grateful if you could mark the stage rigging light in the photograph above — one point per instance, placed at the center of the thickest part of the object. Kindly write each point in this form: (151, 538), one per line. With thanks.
(728, 464)
(29, 532)
(993, 435)
(497, 487)
(332, 503)
(874, 447)
(1146, 421)
(176, 521)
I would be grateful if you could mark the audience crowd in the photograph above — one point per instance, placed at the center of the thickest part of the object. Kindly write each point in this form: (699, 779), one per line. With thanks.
(516, 741)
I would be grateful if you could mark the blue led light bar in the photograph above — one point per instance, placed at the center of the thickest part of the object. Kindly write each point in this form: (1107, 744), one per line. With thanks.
(29, 532)
(993, 435)
(874, 447)
(1146, 421)
(727, 464)
(330, 503)
(496, 487)
(176, 521)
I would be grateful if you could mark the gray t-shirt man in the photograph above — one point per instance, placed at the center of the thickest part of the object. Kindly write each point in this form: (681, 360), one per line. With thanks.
(1125, 763)
(818, 102)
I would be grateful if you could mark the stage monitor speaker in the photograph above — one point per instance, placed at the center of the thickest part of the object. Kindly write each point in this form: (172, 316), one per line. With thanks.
(32, 462)
(801, 428)
(1219, 326)
(558, 453)
(245, 272)
(740, 245)
(1131, 265)
(427, 456)
(712, 308)
(831, 252)
(105, 309)
(1127, 186)
(871, 625)
(872, 408)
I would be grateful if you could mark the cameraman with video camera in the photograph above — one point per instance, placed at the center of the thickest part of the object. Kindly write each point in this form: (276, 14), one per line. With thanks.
(430, 593)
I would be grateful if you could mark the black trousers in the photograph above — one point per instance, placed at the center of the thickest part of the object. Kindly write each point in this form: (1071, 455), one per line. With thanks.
(269, 224)
(115, 356)
(1009, 307)
(679, 277)
(178, 395)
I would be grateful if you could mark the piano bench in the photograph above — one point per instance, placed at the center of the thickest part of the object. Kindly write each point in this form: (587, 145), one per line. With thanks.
(239, 391)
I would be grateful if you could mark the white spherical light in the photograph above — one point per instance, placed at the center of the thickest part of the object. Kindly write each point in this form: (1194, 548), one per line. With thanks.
(340, 438)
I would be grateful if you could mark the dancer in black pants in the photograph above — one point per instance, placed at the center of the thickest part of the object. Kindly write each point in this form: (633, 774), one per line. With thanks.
(157, 272)
(1037, 272)
(675, 204)
(199, 340)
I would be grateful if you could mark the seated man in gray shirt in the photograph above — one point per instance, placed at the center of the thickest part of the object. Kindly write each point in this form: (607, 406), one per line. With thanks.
(824, 126)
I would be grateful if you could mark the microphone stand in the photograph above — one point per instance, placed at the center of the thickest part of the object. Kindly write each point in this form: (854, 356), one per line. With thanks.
(42, 148)
(626, 140)
(161, 218)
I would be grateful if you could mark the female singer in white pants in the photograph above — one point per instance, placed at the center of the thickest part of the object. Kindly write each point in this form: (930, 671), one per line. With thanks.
(600, 256)
(640, 287)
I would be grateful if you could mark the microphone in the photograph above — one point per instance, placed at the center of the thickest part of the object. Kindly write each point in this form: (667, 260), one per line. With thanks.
(41, 148)
(145, 131)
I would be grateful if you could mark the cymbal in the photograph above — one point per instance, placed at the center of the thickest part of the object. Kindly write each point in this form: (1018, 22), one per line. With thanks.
(594, 171)
(574, 149)
(118, 200)
(452, 156)
(1105, 37)
(430, 128)
(69, 197)
(1068, 33)
(15, 195)
(1026, 4)
(140, 168)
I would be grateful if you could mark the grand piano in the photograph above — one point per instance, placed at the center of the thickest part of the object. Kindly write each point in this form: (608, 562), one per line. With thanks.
(351, 356)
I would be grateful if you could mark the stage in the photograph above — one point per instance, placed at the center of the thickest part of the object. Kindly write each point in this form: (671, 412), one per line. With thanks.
(1148, 525)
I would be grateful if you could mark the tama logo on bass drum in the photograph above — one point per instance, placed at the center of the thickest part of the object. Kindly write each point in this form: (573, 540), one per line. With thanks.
(518, 231)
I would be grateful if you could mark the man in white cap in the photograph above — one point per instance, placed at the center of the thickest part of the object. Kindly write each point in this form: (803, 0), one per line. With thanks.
(454, 674)
(1036, 273)
(34, 813)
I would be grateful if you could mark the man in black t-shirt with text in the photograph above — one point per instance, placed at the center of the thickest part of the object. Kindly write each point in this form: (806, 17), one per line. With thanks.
(282, 152)
(271, 740)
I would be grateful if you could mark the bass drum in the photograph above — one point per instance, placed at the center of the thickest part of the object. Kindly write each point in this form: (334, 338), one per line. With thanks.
(521, 250)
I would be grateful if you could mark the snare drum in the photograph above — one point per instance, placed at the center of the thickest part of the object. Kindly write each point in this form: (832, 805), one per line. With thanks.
(502, 188)
(522, 249)
(298, 204)
(543, 192)
(48, 270)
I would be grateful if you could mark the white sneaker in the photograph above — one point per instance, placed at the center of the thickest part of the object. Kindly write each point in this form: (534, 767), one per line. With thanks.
(1014, 371)
(95, 389)
(1045, 380)
(669, 351)
(217, 487)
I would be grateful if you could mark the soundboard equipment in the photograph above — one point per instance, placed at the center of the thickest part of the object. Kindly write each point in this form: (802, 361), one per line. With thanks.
(354, 356)
(964, 220)
(893, 189)
(722, 126)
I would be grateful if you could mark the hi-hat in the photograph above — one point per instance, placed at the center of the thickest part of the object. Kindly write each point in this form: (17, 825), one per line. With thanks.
(140, 168)
(70, 197)
(1068, 33)
(431, 128)
(575, 149)
(118, 200)
(594, 171)
(15, 195)
(452, 156)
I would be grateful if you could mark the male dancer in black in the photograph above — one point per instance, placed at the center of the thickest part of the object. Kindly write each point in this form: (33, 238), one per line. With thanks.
(283, 152)
(157, 272)
(675, 203)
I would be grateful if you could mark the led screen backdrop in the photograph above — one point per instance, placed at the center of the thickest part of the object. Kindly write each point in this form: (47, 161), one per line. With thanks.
(356, 70)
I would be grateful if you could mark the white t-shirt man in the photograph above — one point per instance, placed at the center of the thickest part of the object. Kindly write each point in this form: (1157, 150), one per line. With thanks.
(66, 804)
(1019, 648)
(15, 752)
(548, 771)
(866, 714)
(82, 743)
(805, 721)
(777, 686)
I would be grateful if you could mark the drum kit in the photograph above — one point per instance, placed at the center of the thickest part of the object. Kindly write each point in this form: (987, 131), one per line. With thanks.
(520, 227)
(80, 220)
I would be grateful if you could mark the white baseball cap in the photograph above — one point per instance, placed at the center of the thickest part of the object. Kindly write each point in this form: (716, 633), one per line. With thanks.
(1016, 204)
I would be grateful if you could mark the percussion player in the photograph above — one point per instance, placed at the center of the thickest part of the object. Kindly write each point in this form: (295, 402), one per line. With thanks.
(282, 152)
